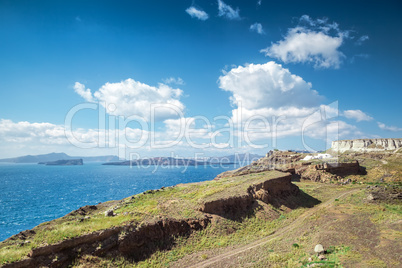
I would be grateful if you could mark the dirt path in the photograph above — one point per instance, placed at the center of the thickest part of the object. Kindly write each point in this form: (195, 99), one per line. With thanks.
(275, 235)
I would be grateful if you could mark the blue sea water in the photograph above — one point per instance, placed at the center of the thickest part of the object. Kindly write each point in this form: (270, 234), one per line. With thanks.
(31, 194)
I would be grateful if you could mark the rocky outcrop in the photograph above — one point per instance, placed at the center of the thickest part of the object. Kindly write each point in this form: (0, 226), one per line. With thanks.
(327, 172)
(366, 145)
(274, 160)
(286, 161)
(129, 241)
(390, 193)
(268, 191)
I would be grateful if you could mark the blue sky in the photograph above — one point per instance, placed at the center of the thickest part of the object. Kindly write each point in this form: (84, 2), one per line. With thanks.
(208, 59)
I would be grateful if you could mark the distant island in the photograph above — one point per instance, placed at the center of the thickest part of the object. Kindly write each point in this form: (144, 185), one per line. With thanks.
(58, 156)
(165, 161)
(69, 162)
(241, 159)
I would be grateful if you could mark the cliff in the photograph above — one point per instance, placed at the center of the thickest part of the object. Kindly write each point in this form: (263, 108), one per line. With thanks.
(324, 170)
(366, 145)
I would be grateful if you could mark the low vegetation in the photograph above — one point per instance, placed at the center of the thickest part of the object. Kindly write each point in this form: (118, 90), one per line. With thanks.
(354, 229)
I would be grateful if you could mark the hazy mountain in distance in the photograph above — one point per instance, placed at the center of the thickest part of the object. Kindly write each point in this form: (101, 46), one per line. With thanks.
(58, 156)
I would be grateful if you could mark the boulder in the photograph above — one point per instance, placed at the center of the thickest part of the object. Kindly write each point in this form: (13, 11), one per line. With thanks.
(109, 213)
(319, 249)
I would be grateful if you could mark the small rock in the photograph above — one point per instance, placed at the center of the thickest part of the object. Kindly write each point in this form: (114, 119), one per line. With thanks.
(109, 213)
(371, 197)
(319, 249)
(310, 259)
(321, 257)
(26, 242)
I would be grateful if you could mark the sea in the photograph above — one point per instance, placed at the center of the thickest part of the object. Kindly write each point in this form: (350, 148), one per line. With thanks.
(31, 194)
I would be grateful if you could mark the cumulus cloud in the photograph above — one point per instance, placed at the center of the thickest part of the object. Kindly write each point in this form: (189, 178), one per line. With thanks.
(29, 132)
(312, 41)
(358, 115)
(26, 137)
(84, 93)
(130, 97)
(270, 102)
(187, 127)
(388, 128)
(257, 27)
(268, 85)
(227, 11)
(172, 80)
(197, 13)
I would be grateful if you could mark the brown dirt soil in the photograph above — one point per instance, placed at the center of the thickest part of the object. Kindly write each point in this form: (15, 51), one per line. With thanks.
(229, 254)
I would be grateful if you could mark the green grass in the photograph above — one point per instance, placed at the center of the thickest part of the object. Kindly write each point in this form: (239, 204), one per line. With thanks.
(278, 253)
(215, 237)
(183, 201)
(180, 202)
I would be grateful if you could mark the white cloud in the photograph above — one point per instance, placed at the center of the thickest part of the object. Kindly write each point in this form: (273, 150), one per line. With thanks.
(316, 41)
(34, 138)
(187, 127)
(259, 2)
(131, 97)
(172, 80)
(268, 85)
(197, 13)
(31, 132)
(84, 93)
(360, 41)
(227, 11)
(257, 27)
(358, 115)
(388, 128)
(271, 103)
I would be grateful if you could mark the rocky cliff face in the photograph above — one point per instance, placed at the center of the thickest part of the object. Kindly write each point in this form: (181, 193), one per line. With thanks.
(286, 161)
(130, 241)
(269, 191)
(366, 145)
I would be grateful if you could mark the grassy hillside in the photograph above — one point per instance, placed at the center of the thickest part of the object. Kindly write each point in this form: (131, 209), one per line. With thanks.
(180, 202)
(358, 224)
